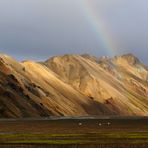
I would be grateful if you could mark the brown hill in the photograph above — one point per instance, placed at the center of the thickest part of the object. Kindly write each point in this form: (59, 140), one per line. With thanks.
(73, 85)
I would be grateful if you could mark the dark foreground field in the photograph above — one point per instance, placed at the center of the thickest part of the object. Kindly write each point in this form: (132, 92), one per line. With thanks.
(75, 133)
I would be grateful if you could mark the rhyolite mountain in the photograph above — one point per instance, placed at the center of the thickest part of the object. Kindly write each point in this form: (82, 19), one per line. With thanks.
(73, 85)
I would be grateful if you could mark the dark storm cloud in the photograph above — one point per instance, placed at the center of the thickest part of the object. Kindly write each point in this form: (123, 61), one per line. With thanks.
(38, 29)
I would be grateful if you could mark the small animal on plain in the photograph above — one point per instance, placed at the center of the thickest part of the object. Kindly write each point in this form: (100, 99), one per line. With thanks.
(108, 123)
(100, 124)
(80, 124)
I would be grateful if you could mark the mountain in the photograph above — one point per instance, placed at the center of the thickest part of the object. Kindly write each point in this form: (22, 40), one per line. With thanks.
(73, 85)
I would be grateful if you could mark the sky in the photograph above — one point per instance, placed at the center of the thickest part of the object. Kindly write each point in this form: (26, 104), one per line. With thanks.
(39, 29)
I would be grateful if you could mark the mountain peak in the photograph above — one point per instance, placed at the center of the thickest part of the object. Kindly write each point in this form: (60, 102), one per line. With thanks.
(88, 56)
(129, 58)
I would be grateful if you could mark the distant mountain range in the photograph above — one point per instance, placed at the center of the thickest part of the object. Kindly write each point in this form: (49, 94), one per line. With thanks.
(73, 85)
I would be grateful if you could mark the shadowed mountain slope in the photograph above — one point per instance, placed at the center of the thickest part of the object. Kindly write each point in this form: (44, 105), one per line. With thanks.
(73, 85)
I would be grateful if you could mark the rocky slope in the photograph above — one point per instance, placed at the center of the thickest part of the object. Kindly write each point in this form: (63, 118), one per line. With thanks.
(73, 85)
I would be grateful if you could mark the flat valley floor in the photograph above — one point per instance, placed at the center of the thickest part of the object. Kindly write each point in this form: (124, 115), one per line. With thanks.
(75, 132)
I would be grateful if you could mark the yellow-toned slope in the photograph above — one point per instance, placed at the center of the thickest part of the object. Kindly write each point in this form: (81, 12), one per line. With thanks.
(31, 89)
(73, 85)
(120, 83)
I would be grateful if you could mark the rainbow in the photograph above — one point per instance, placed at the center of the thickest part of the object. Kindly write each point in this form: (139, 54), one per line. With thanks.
(100, 27)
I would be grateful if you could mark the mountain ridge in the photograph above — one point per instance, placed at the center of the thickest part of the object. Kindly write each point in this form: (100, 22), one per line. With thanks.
(73, 85)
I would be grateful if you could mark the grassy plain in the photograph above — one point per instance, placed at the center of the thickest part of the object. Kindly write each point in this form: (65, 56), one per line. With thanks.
(74, 131)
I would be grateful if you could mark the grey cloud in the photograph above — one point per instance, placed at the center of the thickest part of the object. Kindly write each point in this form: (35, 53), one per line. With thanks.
(38, 29)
